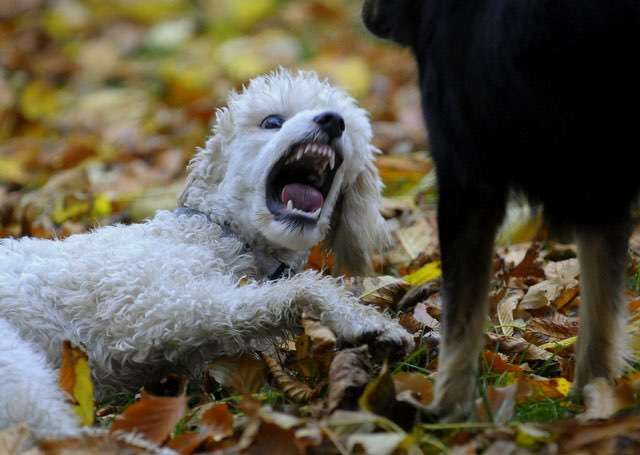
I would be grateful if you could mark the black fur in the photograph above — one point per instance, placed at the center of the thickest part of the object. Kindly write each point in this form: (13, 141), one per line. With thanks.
(537, 96)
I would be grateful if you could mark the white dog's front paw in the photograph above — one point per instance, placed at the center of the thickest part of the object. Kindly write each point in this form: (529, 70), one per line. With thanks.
(392, 340)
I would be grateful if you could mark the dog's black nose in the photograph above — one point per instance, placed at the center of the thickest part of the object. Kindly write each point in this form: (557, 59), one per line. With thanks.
(331, 123)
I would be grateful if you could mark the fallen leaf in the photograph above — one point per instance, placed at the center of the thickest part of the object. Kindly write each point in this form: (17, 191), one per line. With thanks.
(513, 345)
(381, 291)
(75, 380)
(348, 376)
(375, 443)
(418, 384)
(187, 443)
(505, 309)
(379, 395)
(322, 338)
(424, 274)
(244, 375)
(531, 264)
(423, 317)
(501, 404)
(218, 421)
(154, 418)
(294, 389)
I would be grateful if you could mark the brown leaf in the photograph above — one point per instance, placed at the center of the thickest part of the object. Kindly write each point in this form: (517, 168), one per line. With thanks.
(506, 307)
(218, 421)
(575, 438)
(244, 375)
(154, 418)
(513, 345)
(555, 328)
(497, 363)
(531, 264)
(272, 439)
(348, 375)
(421, 315)
(418, 384)
(187, 443)
(322, 338)
(294, 389)
(381, 291)
(502, 401)
(567, 296)
(379, 395)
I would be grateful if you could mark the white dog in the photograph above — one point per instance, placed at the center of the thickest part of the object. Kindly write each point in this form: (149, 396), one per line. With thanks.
(289, 165)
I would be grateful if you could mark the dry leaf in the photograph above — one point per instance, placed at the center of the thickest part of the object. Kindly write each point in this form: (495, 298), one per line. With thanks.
(513, 345)
(418, 384)
(375, 444)
(244, 375)
(421, 315)
(348, 375)
(294, 389)
(382, 291)
(501, 400)
(218, 421)
(187, 443)
(531, 264)
(75, 380)
(322, 338)
(379, 395)
(506, 307)
(154, 418)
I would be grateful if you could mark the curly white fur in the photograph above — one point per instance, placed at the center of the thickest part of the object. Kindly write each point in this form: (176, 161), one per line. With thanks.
(172, 290)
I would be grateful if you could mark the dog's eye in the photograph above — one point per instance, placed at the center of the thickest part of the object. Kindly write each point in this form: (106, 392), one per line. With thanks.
(272, 122)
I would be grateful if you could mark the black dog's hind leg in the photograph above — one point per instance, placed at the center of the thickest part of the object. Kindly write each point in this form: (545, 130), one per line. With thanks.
(601, 341)
(467, 223)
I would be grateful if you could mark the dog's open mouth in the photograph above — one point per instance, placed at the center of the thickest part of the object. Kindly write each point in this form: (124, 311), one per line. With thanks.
(300, 181)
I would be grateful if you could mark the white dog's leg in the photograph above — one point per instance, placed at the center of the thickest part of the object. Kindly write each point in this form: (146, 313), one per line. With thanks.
(231, 316)
(29, 389)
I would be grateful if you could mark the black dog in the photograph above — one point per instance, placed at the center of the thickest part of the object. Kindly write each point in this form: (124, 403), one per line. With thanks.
(537, 96)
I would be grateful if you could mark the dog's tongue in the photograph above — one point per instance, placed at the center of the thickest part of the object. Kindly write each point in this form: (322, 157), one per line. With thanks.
(303, 197)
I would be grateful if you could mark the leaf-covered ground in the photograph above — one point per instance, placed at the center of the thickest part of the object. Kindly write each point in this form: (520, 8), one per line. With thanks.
(101, 106)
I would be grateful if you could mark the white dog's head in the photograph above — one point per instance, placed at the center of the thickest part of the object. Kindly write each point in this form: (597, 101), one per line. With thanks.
(290, 161)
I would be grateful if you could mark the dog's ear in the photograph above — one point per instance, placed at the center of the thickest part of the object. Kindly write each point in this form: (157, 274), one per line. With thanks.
(397, 20)
(358, 229)
(208, 166)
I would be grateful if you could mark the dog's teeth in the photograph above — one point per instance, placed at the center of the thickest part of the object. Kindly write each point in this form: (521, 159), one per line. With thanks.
(332, 160)
(290, 205)
(300, 153)
(316, 213)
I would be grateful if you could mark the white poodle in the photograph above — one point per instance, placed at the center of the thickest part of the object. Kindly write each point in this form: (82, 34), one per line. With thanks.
(289, 165)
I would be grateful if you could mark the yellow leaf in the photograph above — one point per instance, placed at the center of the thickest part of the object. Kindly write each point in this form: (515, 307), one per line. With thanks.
(39, 101)
(426, 273)
(559, 345)
(11, 170)
(75, 379)
(245, 13)
(101, 206)
(563, 386)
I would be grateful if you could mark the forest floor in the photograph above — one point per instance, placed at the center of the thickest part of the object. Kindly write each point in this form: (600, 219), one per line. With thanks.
(101, 106)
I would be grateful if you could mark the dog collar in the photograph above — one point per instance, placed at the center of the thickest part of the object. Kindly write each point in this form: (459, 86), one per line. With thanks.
(282, 270)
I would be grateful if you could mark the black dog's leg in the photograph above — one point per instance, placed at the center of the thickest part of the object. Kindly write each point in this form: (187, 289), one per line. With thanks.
(468, 220)
(601, 341)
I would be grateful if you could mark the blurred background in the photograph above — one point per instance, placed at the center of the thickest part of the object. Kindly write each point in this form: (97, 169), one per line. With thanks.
(102, 103)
